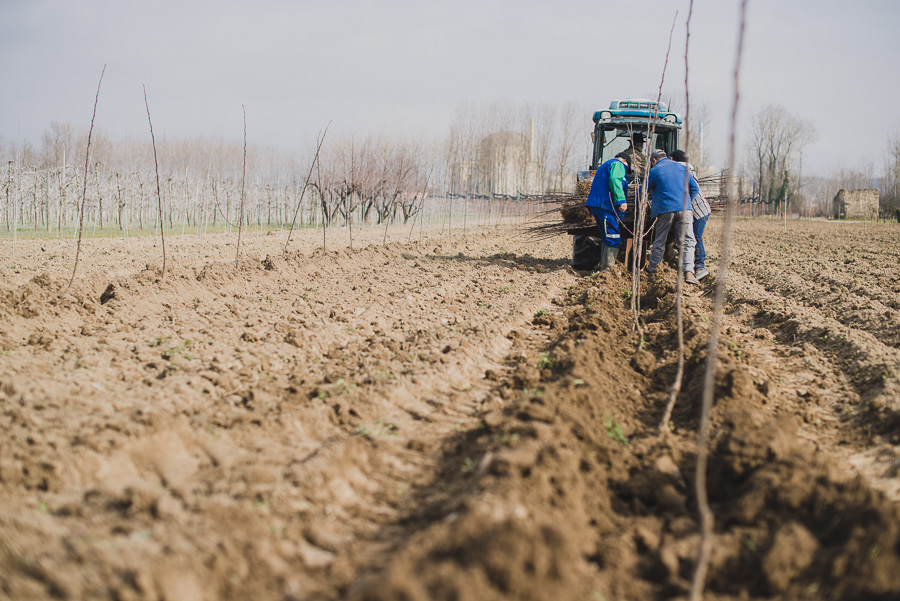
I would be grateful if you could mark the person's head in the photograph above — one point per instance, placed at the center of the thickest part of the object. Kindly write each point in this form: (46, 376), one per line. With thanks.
(624, 158)
(679, 156)
(656, 156)
(637, 139)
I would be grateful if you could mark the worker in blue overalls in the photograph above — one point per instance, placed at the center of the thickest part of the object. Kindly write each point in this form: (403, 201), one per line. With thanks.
(606, 202)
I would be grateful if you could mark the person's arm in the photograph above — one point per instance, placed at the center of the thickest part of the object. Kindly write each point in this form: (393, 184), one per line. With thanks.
(616, 187)
(649, 182)
(694, 188)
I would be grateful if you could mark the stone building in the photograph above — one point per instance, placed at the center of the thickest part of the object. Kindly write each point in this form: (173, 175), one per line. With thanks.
(856, 204)
(504, 165)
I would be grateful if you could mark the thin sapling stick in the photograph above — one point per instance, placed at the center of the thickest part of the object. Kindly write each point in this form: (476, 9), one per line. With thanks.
(162, 225)
(706, 516)
(641, 203)
(87, 162)
(679, 284)
(306, 185)
(237, 256)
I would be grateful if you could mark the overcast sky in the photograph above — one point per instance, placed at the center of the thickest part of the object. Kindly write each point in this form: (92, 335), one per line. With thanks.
(406, 65)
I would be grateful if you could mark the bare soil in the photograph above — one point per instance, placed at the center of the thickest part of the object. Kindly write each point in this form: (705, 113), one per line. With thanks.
(444, 417)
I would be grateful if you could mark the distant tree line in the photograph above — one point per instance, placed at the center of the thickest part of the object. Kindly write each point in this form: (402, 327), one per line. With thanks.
(492, 151)
(359, 178)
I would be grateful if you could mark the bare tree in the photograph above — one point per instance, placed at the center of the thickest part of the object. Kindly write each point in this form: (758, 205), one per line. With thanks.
(890, 183)
(545, 127)
(642, 209)
(57, 144)
(696, 126)
(777, 141)
(378, 179)
(570, 124)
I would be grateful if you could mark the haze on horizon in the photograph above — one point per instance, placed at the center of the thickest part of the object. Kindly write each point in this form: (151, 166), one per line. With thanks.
(405, 66)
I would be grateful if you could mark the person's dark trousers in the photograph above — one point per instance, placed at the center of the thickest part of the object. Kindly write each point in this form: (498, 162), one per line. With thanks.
(608, 224)
(664, 221)
(699, 250)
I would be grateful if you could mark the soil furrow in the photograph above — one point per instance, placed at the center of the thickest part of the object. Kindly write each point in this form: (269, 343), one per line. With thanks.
(856, 312)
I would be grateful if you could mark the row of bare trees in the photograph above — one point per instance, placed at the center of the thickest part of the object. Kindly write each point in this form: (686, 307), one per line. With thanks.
(371, 179)
(492, 150)
(48, 199)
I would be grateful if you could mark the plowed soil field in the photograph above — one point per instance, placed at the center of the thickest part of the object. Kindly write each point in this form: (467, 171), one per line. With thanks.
(444, 417)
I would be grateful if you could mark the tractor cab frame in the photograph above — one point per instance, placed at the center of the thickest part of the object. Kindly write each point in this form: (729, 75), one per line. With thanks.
(612, 133)
(614, 127)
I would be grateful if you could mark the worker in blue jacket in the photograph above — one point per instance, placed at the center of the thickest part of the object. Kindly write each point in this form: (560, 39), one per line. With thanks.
(606, 202)
(670, 206)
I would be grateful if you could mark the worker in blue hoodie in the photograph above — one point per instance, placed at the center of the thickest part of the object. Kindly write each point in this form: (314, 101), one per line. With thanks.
(669, 205)
(606, 202)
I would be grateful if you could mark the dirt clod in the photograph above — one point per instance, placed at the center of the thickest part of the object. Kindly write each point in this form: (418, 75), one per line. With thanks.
(108, 294)
(792, 552)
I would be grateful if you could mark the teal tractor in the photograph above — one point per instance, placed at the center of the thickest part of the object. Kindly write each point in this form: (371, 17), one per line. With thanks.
(615, 130)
